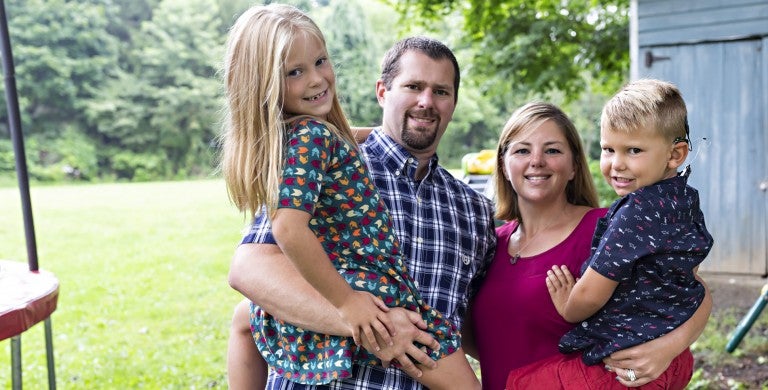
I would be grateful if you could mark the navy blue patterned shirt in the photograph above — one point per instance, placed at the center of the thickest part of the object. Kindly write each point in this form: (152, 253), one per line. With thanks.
(447, 238)
(649, 242)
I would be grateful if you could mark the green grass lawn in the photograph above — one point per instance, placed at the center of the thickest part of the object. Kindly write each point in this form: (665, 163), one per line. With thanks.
(143, 298)
(144, 301)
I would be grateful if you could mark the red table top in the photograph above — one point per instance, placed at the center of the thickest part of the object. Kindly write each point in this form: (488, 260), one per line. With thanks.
(26, 297)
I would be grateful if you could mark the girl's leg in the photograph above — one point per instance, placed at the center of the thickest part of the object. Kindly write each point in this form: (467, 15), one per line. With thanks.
(452, 372)
(246, 369)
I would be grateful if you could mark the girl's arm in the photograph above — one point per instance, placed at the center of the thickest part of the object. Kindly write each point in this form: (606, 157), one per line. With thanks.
(650, 359)
(577, 301)
(360, 310)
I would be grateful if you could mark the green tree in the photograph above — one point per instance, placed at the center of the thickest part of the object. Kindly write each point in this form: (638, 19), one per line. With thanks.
(229, 10)
(355, 54)
(62, 57)
(535, 47)
(167, 103)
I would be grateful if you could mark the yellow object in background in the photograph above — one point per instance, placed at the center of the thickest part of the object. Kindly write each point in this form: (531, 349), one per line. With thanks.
(480, 163)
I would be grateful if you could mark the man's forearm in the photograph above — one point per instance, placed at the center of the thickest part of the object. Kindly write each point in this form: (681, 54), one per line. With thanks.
(263, 274)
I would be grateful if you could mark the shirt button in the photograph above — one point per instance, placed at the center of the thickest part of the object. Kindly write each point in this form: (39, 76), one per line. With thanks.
(419, 240)
(397, 172)
(466, 259)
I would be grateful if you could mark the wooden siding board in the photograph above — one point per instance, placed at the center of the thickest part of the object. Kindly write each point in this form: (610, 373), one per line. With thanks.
(745, 211)
(762, 231)
(719, 58)
(737, 76)
(706, 123)
(719, 82)
(657, 7)
(703, 17)
(685, 70)
(694, 34)
(674, 22)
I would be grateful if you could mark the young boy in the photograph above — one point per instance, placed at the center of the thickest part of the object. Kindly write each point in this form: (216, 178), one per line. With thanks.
(640, 281)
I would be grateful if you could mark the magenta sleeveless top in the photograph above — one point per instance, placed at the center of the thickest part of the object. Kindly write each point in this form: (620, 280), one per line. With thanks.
(514, 320)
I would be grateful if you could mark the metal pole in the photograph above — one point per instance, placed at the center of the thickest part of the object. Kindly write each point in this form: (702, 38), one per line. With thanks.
(16, 362)
(49, 354)
(17, 137)
(748, 320)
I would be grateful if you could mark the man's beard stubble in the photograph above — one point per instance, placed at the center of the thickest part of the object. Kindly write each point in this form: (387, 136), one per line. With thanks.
(419, 138)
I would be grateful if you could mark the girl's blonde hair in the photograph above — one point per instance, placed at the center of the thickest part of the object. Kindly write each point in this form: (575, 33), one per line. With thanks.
(255, 129)
(579, 191)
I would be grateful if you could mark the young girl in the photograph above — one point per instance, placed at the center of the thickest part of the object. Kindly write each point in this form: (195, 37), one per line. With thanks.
(289, 150)
(640, 281)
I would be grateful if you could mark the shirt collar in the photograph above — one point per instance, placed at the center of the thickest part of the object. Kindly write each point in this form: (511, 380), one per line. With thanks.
(394, 156)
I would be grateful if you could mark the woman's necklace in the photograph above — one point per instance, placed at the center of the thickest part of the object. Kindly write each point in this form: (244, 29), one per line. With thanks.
(516, 256)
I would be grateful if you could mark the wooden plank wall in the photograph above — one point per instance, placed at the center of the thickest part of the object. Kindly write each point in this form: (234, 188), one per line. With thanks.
(716, 51)
(663, 22)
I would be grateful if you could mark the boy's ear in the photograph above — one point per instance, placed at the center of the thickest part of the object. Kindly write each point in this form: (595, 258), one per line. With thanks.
(678, 155)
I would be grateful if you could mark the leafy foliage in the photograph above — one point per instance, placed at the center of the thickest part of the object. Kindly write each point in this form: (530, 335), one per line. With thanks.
(129, 89)
(605, 192)
(355, 53)
(125, 76)
(173, 86)
(537, 46)
(61, 57)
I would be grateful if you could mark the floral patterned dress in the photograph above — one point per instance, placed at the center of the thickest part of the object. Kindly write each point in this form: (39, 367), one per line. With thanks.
(324, 176)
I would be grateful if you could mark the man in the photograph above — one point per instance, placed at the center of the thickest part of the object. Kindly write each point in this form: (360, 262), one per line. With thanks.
(445, 228)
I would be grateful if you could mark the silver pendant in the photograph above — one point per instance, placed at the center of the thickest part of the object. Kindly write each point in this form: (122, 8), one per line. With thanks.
(514, 259)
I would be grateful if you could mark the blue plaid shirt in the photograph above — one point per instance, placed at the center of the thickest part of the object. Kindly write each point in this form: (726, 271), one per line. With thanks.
(447, 238)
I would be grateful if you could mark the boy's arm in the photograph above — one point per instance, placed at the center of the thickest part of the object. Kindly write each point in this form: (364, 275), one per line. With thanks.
(588, 295)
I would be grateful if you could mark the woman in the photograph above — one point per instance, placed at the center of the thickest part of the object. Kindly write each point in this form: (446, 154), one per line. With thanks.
(546, 195)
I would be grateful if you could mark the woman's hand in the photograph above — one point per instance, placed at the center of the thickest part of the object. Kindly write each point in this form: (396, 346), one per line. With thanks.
(366, 313)
(648, 361)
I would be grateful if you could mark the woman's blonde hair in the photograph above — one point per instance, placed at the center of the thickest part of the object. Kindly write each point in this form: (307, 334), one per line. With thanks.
(579, 191)
(254, 131)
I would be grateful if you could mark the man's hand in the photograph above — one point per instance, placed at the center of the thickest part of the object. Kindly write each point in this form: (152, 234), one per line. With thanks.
(409, 328)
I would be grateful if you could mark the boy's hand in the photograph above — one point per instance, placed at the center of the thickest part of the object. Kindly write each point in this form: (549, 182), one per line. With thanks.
(366, 313)
(560, 282)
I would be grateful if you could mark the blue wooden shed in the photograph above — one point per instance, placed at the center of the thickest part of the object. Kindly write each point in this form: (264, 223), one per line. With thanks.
(716, 52)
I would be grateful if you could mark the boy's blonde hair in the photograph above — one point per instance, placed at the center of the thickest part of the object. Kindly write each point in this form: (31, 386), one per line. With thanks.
(255, 130)
(647, 104)
(579, 191)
